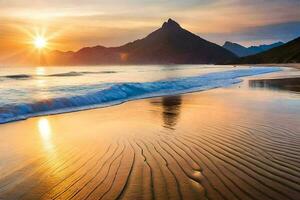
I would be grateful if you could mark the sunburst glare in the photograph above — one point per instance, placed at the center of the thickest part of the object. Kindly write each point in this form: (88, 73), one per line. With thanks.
(40, 42)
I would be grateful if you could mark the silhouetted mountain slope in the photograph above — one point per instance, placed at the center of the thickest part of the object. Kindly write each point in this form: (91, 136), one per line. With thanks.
(170, 44)
(242, 51)
(264, 47)
(287, 53)
(237, 49)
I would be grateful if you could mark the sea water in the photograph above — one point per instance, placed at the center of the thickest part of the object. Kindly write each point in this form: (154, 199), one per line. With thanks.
(33, 91)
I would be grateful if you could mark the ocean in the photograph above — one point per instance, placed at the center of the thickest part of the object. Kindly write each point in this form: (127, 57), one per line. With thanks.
(33, 91)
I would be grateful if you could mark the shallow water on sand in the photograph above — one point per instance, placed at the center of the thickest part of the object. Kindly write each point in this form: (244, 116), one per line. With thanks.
(287, 84)
(231, 143)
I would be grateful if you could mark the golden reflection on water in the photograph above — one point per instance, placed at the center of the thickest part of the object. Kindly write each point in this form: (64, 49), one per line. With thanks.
(45, 131)
(40, 83)
(40, 71)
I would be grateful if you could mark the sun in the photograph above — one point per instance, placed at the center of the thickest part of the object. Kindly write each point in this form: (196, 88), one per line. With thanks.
(40, 42)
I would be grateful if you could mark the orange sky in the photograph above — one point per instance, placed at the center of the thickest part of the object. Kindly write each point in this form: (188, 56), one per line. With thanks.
(72, 24)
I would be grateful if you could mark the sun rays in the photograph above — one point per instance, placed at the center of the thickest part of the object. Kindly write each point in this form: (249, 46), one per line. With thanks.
(40, 42)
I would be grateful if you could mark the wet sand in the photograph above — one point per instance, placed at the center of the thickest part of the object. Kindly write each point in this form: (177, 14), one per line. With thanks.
(240, 142)
(289, 84)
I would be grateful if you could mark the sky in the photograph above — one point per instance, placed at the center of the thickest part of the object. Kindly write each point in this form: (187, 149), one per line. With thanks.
(72, 24)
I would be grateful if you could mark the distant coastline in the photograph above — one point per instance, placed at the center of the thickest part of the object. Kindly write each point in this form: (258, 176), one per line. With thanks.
(291, 65)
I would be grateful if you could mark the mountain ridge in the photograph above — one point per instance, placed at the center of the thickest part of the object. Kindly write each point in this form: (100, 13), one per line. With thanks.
(287, 53)
(242, 51)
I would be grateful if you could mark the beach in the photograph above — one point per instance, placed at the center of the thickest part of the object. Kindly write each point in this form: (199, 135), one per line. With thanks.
(238, 142)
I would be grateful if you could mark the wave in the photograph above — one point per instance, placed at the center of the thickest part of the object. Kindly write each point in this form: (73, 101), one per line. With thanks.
(82, 73)
(66, 74)
(122, 92)
(18, 76)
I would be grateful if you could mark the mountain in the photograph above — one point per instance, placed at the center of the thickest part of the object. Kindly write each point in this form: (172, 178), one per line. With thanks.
(264, 47)
(237, 49)
(170, 44)
(287, 53)
(242, 51)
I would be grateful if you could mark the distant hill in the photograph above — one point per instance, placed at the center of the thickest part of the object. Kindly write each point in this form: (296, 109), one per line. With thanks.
(237, 49)
(287, 53)
(242, 51)
(170, 44)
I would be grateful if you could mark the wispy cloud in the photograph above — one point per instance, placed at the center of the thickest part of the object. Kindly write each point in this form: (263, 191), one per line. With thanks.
(258, 35)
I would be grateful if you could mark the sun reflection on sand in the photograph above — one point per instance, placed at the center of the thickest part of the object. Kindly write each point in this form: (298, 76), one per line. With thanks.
(45, 131)
(52, 156)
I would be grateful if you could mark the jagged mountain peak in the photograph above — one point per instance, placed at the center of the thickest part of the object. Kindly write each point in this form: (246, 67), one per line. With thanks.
(171, 24)
(228, 43)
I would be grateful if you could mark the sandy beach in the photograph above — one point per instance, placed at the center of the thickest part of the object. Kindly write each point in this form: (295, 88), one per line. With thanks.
(240, 142)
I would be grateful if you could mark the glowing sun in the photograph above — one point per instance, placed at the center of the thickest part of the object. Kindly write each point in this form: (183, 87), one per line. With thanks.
(40, 42)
